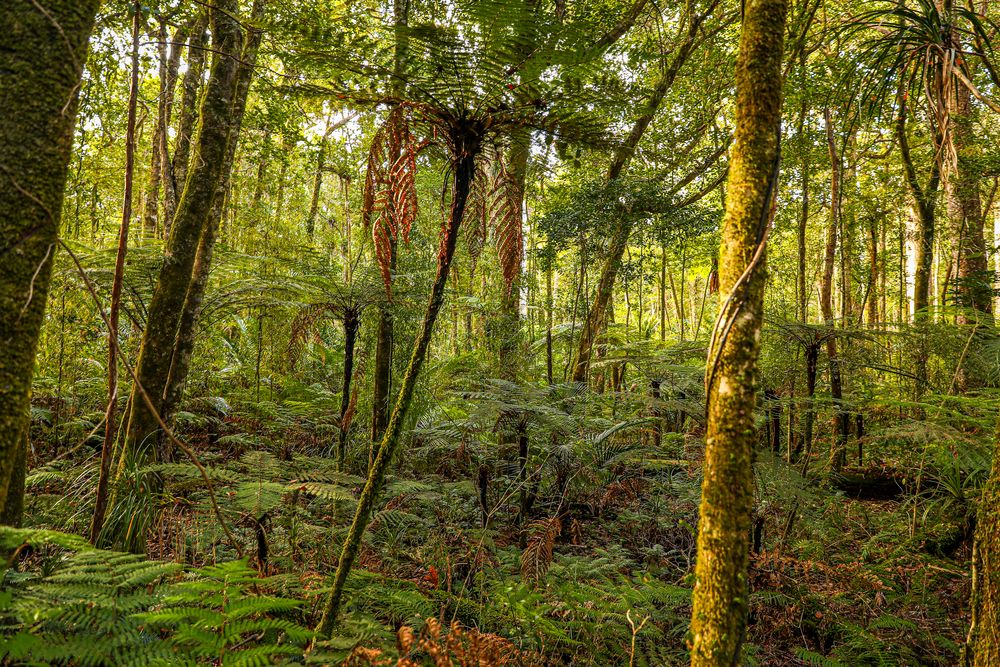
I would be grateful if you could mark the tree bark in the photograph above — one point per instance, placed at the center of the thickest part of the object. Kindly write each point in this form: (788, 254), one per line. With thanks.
(924, 209)
(151, 197)
(718, 618)
(180, 362)
(549, 262)
(873, 274)
(467, 148)
(382, 385)
(318, 181)
(42, 52)
(159, 176)
(983, 646)
(351, 324)
(812, 366)
(187, 118)
(166, 115)
(510, 307)
(975, 282)
(193, 213)
(838, 450)
(803, 294)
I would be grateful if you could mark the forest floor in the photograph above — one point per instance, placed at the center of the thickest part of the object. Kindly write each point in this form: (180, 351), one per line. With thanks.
(849, 582)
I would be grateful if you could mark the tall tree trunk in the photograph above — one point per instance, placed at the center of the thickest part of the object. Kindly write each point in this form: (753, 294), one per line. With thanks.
(180, 362)
(12, 512)
(183, 343)
(975, 282)
(166, 113)
(873, 274)
(983, 646)
(107, 451)
(803, 294)
(318, 180)
(510, 307)
(39, 82)
(549, 262)
(593, 326)
(923, 207)
(192, 217)
(467, 149)
(663, 293)
(848, 236)
(170, 55)
(187, 118)
(838, 450)
(718, 618)
(151, 197)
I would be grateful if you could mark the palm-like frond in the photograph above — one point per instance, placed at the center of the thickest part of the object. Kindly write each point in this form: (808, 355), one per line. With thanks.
(917, 50)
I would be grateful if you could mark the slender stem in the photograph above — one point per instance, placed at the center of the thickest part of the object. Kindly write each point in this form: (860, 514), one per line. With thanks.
(101, 504)
(464, 171)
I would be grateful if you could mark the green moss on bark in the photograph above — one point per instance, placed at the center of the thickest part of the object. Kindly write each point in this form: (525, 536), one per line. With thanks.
(192, 217)
(984, 634)
(720, 596)
(41, 61)
(468, 147)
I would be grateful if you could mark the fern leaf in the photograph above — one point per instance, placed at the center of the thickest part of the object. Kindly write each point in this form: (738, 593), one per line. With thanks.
(537, 556)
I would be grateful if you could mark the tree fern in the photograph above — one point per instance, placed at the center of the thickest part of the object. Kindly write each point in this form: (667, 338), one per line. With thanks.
(99, 607)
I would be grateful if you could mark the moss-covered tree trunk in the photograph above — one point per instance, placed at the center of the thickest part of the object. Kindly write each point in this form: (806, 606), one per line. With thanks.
(12, 512)
(718, 618)
(983, 648)
(467, 147)
(187, 116)
(193, 211)
(180, 363)
(187, 328)
(975, 283)
(42, 51)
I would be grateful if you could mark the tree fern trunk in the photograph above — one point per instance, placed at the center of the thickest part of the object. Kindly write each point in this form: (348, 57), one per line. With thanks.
(42, 52)
(384, 339)
(464, 171)
(718, 619)
(351, 324)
